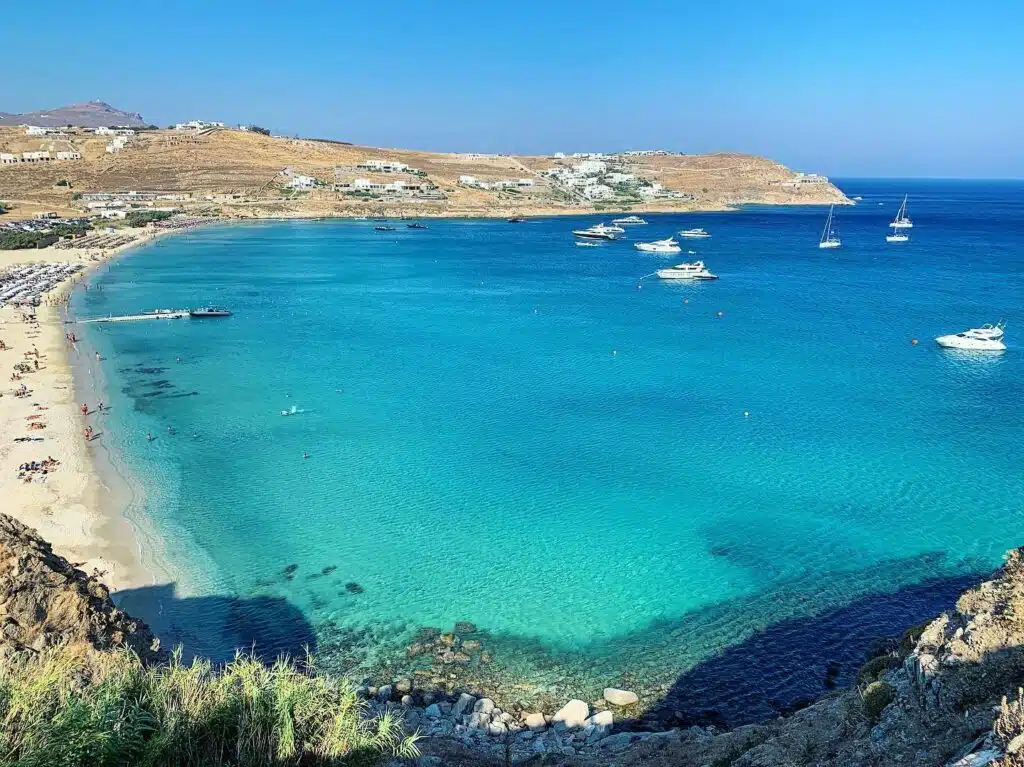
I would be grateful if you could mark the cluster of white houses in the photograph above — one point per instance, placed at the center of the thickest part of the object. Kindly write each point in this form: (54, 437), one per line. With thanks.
(507, 183)
(7, 158)
(198, 125)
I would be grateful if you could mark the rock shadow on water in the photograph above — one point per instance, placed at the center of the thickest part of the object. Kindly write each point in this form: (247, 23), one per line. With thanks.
(215, 627)
(795, 661)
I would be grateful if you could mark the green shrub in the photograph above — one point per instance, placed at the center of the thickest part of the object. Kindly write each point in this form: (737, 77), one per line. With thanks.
(875, 697)
(142, 217)
(74, 709)
(874, 669)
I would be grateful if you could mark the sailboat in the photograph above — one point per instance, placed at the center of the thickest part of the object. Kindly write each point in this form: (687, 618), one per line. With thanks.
(829, 238)
(902, 221)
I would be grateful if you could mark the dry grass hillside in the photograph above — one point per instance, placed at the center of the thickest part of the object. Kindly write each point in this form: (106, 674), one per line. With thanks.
(240, 173)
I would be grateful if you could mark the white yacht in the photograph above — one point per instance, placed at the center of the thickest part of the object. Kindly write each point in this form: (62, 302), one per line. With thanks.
(587, 244)
(668, 246)
(902, 220)
(694, 271)
(629, 220)
(613, 228)
(987, 338)
(599, 232)
(897, 236)
(829, 238)
(694, 234)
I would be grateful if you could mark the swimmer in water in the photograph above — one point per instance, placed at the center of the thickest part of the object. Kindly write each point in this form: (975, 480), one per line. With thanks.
(305, 455)
(149, 436)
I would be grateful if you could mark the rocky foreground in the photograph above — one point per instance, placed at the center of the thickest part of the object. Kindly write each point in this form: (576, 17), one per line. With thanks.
(948, 693)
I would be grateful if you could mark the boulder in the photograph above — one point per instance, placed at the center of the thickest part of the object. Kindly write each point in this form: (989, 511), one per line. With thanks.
(602, 719)
(471, 645)
(617, 697)
(536, 723)
(433, 711)
(403, 686)
(462, 704)
(407, 700)
(464, 627)
(497, 728)
(572, 715)
(384, 693)
(484, 706)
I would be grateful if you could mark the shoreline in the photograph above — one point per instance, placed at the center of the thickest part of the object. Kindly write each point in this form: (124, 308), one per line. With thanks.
(79, 506)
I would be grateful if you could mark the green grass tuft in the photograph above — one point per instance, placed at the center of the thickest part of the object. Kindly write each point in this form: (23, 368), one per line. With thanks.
(68, 708)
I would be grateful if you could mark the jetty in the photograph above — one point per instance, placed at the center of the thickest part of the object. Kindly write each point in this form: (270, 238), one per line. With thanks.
(162, 314)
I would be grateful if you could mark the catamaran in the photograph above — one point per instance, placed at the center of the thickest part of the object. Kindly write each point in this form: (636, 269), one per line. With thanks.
(902, 220)
(829, 238)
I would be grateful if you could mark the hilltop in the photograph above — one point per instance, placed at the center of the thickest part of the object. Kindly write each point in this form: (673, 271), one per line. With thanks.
(246, 174)
(91, 114)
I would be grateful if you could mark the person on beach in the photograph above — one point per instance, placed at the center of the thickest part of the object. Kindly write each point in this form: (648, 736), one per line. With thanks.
(85, 409)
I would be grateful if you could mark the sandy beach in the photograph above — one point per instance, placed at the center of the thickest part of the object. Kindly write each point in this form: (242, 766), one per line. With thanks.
(70, 505)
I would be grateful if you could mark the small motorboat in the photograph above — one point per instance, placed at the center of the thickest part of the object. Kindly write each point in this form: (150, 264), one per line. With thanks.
(416, 226)
(694, 234)
(209, 311)
(691, 271)
(517, 220)
(897, 236)
(628, 220)
(667, 246)
(384, 228)
(585, 244)
(987, 338)
(291, 411)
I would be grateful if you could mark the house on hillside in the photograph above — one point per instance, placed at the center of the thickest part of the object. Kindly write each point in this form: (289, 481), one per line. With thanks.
(35, 156)
(385, 166)
(69, 155)
(301, 182)
(6, 158)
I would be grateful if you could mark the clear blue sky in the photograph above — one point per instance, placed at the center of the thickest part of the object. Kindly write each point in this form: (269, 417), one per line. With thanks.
(867, 88)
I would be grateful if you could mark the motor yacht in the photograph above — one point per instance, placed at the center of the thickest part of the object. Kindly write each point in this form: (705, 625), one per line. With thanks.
(694, 234)
(599, 232)
(629, 220)
(987, 338)
(692, 271)
(667, 246)
(897, 236)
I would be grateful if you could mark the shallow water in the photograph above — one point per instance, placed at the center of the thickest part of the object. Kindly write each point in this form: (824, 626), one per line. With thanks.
(502, 428)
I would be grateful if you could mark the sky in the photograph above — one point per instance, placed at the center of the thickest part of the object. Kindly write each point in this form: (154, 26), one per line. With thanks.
(870, 88)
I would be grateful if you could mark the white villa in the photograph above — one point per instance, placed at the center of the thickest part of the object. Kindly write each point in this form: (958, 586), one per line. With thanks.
(35, 130)
(301, 182)
(598, 192)
(35, 156)
(6, 158)
(385, 166)
(69, 155)
(198, 125)
(507, 183)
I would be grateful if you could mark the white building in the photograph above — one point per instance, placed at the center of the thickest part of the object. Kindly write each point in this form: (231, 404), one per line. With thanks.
(112, 213)
(104, 131)
(69, 155)
(384, 166)
(649, 192)
(43, 215)
(35, 130)
(620, 178)
(590, 167)
(598, 192)
(301, 182)
(35, 156)
(6, 158)
(198, 125)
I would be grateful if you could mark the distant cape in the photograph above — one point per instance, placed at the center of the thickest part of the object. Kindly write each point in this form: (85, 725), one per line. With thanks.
(92, 114)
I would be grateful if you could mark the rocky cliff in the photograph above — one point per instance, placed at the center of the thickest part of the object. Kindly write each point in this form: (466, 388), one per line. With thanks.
(45, 600)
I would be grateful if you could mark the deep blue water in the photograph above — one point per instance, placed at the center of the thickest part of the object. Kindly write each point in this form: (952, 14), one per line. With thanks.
(524, 439)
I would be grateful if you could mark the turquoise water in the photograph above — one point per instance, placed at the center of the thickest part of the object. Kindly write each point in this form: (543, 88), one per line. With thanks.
(524, 439)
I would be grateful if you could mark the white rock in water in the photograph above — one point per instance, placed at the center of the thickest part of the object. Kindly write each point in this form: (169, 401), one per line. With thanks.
(433, 711)
(618, 697)
(536, 722)
(602, 719)
(572, 715)
(483, 706)
(464, 702)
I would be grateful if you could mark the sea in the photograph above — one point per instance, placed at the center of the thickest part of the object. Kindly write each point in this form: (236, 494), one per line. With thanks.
(723, 495)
